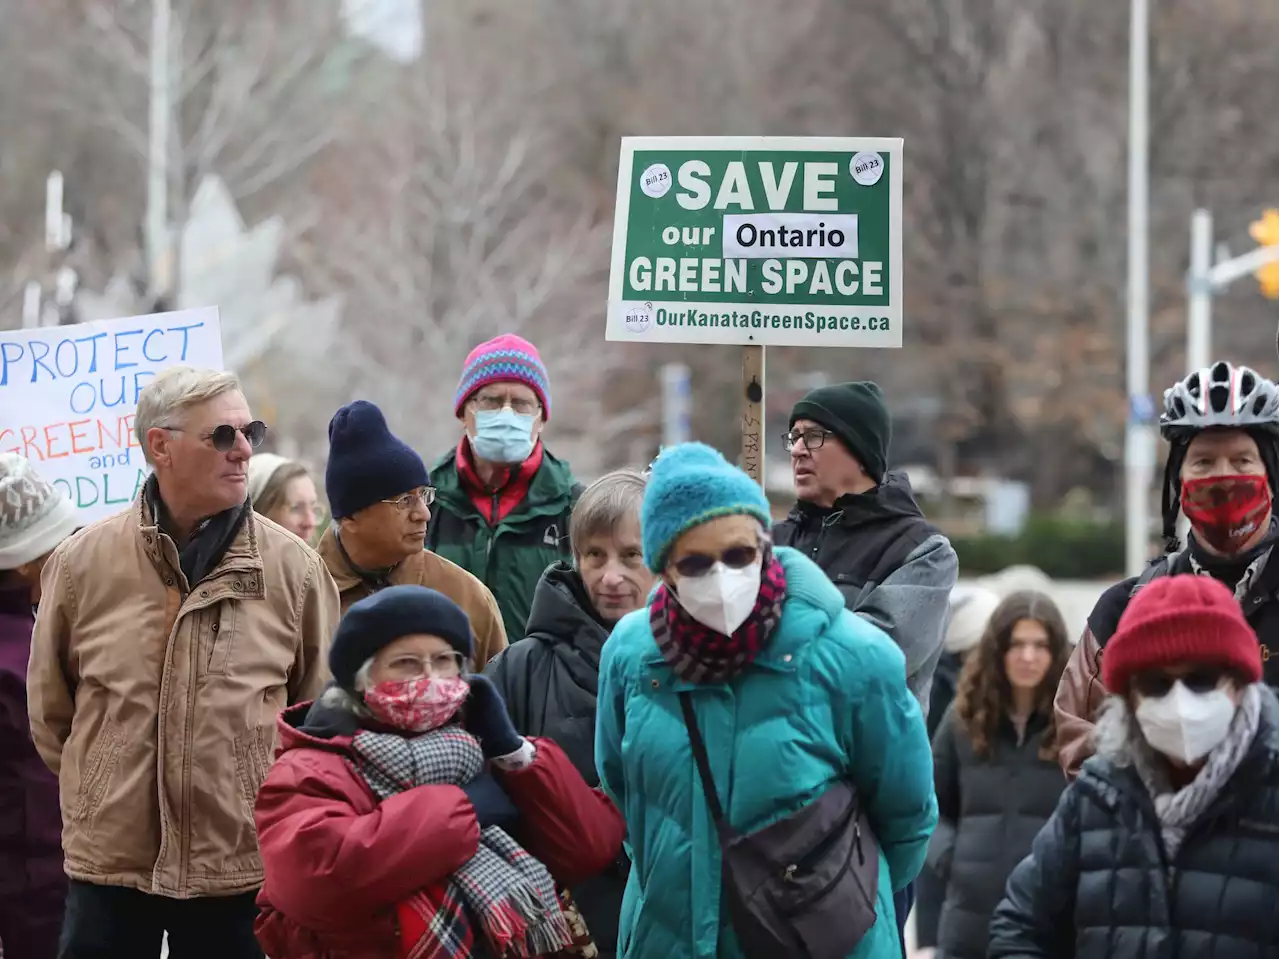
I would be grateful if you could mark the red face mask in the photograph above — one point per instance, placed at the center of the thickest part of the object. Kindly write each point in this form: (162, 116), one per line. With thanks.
(417, 705)
(1225, 511)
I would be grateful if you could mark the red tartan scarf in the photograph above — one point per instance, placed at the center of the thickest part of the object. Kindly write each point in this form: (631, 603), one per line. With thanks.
(698, 654)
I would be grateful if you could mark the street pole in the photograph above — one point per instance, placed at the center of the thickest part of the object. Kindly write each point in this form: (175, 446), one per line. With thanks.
(1139, 446)
(157, 217)
(1200, 291)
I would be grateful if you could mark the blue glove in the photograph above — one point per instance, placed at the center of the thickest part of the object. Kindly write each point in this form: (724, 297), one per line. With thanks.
(486, 718)
(492, 804)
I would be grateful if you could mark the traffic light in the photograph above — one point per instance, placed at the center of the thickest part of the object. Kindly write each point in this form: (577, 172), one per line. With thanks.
(1267, 233)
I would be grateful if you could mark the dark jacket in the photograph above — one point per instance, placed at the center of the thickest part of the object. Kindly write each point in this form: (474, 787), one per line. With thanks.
(989, 811)
(1081, 692)
(1098, 885)
(892, 567)
(508, 558)
(32, 883)
(548, 681)
(930, 889)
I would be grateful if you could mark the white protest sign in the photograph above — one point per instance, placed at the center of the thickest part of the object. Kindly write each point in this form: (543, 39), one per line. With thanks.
(68, 396)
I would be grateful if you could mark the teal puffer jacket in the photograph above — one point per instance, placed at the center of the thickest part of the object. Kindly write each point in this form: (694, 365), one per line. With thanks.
(826, 699)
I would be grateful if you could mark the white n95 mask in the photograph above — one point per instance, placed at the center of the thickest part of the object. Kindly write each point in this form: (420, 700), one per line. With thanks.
(1185, 725)
(723, 598)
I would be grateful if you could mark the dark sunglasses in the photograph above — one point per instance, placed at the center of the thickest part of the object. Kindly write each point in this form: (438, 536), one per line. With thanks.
(223, 437)
(699, 564)
(1155, 685)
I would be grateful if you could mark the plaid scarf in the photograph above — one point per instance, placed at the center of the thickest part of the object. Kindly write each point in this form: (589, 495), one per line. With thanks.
(699, 654)
(508, 892)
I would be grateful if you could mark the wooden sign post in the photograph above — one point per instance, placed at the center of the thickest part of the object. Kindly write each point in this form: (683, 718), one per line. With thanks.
(756, 242)
(753, 439)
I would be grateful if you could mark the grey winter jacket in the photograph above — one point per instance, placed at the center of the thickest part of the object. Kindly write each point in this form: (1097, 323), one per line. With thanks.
(894, 568)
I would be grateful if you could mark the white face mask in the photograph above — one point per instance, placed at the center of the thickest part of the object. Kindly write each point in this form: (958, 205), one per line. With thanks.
(1183, 725)
(723, 598)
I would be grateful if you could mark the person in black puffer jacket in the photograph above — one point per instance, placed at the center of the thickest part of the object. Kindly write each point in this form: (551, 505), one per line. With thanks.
(1166, 844)
(549, 678)
(995, 769)
(971, 609)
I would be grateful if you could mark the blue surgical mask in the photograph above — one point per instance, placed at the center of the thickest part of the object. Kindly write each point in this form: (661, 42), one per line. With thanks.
(503, 436)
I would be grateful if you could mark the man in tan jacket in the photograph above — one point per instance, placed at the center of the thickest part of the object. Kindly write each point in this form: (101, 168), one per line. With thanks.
(168, 638)
(380, 496)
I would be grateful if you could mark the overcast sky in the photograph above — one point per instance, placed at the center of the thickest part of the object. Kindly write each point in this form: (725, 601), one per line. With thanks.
(394, 25)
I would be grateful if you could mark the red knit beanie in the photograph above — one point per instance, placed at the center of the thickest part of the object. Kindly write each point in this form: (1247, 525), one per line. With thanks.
(1181, 620)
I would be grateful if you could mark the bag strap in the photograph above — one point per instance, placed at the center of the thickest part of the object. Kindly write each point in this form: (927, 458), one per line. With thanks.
(700, 757)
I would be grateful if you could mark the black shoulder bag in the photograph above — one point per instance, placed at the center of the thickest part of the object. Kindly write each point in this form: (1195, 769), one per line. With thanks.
(803, 887)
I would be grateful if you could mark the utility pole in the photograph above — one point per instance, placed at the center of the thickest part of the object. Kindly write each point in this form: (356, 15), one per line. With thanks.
(1139, 445)
(160, 265)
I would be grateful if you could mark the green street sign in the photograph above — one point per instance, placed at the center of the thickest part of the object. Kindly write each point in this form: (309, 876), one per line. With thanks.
(758, 241)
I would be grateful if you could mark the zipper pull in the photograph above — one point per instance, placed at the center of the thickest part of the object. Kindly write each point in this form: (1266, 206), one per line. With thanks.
(789, 874)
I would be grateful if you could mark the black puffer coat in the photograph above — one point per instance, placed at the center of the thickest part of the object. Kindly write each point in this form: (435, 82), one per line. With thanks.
(549, 681)
(989, 811)
(1097, 884)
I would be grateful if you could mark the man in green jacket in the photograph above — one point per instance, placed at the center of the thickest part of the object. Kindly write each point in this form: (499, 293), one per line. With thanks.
(502, 500)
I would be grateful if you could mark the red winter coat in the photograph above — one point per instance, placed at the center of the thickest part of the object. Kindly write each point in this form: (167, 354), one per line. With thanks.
(337, 862)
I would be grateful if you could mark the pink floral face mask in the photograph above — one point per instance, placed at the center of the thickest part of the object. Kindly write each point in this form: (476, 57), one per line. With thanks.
(417, 705)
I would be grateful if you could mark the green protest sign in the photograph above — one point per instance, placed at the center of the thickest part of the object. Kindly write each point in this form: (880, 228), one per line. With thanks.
(758, 241)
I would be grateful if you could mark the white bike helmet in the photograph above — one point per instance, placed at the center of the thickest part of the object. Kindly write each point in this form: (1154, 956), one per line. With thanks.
(1222, 396)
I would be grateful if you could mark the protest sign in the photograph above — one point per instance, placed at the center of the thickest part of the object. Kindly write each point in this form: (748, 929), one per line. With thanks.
(68, 396)
(760, 241)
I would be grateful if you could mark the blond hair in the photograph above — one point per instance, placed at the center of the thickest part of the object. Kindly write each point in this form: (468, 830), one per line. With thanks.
(173, 391)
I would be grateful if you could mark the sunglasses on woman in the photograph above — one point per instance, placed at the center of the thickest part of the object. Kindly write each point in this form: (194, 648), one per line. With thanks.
(1155, 685)
(699, 564)
(223, 437)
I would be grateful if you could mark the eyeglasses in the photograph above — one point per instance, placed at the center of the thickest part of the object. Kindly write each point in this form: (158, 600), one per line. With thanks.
(441, 664)
(812, 439)
(223, 437)
(426, 495)
(1155, 685)
(491, 404)
(699, 564)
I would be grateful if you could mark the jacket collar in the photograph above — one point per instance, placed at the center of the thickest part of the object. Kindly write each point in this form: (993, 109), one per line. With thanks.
(239, 572)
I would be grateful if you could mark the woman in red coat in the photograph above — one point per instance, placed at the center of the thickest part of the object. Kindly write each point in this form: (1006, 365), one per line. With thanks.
(405, 817)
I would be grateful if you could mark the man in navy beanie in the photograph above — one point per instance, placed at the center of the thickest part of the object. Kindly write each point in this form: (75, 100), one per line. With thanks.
(380, 495)
(859, 521)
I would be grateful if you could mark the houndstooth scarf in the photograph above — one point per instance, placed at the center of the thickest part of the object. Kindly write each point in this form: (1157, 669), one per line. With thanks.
(509, 893)
(1178, 811)
(699, 654)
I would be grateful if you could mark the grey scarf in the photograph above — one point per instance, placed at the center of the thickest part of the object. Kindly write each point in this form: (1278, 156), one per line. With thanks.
(1178, 811)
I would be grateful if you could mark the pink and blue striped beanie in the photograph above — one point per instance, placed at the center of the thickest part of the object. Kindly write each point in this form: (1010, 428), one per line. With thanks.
(504, 359)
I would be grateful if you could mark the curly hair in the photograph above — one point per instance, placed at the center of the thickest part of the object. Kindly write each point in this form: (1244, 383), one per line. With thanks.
(984, 696)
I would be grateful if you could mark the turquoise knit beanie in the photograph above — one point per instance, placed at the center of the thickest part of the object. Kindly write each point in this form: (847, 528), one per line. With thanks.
(688, 485)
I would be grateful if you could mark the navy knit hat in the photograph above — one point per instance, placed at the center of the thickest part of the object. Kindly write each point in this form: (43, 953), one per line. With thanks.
(367, 463)
(688, 485)
(378, 620)
(856, 413)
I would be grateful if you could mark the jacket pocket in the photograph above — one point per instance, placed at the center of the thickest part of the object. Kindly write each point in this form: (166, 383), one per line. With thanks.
(95, 774)
(217, 627)
(253, 749)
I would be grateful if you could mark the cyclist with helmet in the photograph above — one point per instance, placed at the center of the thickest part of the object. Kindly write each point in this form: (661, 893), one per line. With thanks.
(1221, 424)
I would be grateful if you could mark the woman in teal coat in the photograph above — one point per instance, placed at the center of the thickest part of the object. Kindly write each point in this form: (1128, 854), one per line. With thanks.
(792, 693)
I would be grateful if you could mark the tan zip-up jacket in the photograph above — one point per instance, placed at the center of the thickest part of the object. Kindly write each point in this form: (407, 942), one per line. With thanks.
(156, 705)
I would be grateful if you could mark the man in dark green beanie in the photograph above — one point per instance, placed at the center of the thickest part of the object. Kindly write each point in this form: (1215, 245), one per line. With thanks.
(859, 521)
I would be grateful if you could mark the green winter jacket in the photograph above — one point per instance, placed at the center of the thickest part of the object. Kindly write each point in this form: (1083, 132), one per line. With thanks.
(825, 700)
(508, 558)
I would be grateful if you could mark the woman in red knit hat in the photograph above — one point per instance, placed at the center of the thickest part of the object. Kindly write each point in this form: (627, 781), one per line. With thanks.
(1166, 844)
